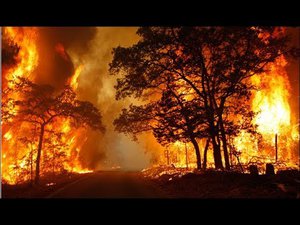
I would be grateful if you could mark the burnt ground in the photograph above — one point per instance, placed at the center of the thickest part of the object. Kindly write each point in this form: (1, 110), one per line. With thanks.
(48, 185)
(101, 184)
(216, 184)
(181, 184)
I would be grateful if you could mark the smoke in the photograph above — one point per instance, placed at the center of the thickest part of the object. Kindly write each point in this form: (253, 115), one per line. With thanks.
(97, 86)
(293, 70)
(55, 65)
(91, 48)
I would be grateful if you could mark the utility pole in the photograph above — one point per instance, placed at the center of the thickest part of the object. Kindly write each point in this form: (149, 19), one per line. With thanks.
(167, 156)
(276, 148)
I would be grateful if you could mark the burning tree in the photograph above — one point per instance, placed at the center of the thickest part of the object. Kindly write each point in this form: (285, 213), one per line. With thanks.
(213, 65)
(41, 106)
(9, 52)
(171, 118)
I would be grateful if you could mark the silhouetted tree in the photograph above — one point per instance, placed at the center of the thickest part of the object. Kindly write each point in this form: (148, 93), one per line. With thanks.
(170, 118)
(215, 63)
(40, 106)
(9, 52)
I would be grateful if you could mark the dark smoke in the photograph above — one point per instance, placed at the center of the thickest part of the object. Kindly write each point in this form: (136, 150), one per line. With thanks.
(92, 47)
(293, 69)
(53, 68)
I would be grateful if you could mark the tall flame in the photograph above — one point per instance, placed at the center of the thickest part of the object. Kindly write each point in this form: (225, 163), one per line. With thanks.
(27, 57)
(18, 157)
(273, 118)
(74, 78)
(271, 101)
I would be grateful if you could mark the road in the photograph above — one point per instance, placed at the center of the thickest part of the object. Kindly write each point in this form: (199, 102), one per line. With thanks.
(110, 184)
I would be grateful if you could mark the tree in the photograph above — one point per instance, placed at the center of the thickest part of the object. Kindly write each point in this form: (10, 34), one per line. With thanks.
(39, 105)
(214, 63)
(9, 52)
(170, 118)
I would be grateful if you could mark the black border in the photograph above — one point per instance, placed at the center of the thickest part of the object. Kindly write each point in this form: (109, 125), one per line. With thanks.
(240, 211)
(154, 13)
(149, 12)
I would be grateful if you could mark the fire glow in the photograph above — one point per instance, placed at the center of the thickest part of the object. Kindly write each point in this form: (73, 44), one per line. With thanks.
(18, 158)
(279, 139)
(271, 103)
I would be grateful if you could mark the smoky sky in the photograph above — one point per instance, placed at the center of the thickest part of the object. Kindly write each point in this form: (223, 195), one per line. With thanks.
(92, 47)
(293, 70)
(97, 86)
(53, 68)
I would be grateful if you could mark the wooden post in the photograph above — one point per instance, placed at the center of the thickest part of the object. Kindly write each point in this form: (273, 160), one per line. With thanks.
(269, 169)
(253, 170)
(186, 157)
(276, 148)
(168, 158)
(31, 166)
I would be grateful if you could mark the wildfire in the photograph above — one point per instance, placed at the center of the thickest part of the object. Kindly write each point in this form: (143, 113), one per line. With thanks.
(279, 134)
(19, 155)
(27, 57)
(271, 101)
(273, 118)
(74, 78)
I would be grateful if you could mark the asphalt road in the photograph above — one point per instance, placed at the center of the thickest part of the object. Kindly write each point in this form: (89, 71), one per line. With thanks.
(110, 184)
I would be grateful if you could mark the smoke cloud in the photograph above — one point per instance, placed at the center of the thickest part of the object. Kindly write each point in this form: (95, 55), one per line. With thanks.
(92, 48)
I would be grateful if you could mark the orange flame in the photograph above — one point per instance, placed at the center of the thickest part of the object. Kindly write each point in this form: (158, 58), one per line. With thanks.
(27, 56)
(18, 157)
(273, 117)
(74, 78)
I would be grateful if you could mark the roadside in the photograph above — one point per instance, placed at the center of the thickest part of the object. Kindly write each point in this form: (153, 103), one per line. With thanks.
(220, 185)
(48, 185)
(161, 183)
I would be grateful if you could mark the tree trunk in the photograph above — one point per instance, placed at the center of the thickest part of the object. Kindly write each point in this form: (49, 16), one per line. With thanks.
(205, 153)
(38, 158)
(186, 157)
(224, 141)
(217, 154)
(31, 167)
(198, 156)
(216, 147)
(276, 148)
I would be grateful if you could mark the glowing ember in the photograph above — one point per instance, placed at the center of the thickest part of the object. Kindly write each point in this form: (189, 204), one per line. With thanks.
(82, 171)
(7, 136)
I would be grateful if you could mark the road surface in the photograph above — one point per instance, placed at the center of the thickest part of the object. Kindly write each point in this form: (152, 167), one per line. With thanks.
(110, 184)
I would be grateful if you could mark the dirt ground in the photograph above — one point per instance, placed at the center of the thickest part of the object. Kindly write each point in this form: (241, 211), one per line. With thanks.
(175, 183)
(219, 185)
(47, 186)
